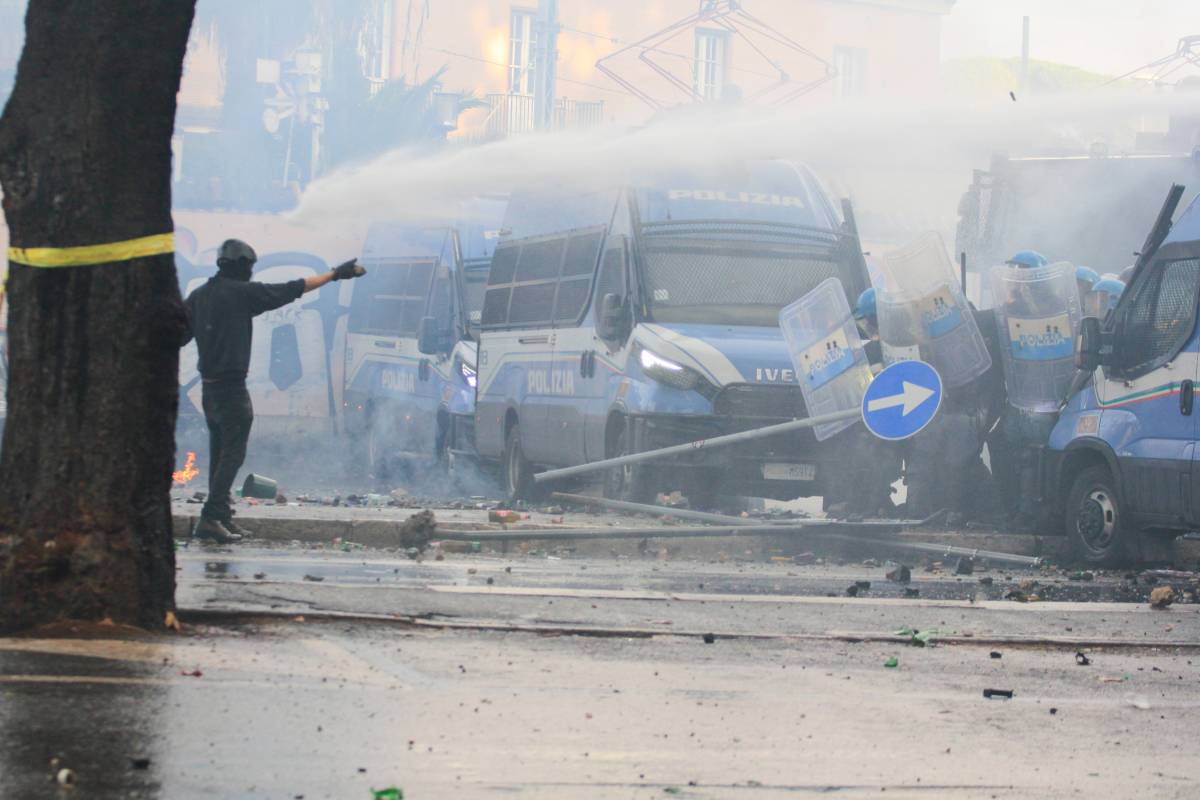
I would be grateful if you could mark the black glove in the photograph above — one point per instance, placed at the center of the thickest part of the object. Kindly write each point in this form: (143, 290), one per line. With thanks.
(351, 269)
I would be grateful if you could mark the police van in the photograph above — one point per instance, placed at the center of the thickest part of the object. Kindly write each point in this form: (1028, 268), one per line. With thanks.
(411, 338)
(627, 319)
(1122, 458)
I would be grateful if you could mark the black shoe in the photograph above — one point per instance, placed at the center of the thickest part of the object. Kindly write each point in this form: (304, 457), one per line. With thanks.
(237, 530)
(210, 530)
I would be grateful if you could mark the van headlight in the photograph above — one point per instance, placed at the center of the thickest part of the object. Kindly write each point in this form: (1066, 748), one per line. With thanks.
(468, 373)
(667, 372)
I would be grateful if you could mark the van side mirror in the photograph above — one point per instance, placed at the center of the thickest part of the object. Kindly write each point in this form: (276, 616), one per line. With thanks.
(612, 318)
(1090, 353)
(429, 337)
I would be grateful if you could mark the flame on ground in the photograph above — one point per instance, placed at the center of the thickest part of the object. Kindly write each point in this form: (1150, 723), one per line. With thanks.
(189, 471)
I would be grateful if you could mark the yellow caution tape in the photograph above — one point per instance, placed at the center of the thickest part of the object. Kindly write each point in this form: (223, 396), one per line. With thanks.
(92, 254)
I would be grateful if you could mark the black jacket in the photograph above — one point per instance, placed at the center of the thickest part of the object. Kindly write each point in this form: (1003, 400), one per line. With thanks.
(221, 313)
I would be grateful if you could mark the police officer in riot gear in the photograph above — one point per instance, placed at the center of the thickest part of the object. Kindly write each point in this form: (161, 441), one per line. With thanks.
(861, 480)
(1037, 313)
(221, 314)
(923, 313)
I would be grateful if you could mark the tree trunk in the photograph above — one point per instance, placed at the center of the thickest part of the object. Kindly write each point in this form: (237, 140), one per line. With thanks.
(88, 450)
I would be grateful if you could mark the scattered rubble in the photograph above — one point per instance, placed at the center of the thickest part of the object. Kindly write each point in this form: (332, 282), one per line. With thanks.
(1162, 596)
(418, 531)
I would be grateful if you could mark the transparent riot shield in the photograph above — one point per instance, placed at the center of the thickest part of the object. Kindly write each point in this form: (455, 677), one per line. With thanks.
(924, 312)
(936, 326)
(1038, 313)
(828, 355)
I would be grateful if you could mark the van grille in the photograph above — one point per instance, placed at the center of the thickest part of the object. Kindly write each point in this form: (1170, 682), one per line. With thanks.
(745, 400)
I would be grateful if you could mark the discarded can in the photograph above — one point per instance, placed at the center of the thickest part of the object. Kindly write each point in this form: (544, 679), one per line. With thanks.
(260, 486)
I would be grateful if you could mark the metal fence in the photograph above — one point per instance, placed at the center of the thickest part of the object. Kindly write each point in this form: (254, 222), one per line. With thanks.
(511, 114)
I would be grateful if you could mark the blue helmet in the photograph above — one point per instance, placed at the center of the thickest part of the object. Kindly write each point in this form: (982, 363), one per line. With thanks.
(1030, 259)
(1087, 275)
(1112, 287)
(865, 307)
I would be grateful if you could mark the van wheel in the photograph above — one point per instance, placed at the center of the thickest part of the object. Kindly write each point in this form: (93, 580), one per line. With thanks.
(1094, 527)
(632, 483)
(516, 472)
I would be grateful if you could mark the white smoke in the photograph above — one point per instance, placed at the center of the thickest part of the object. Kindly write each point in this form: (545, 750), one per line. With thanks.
(857, 136)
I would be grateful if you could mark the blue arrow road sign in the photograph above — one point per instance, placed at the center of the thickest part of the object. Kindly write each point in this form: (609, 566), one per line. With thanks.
(902, 400)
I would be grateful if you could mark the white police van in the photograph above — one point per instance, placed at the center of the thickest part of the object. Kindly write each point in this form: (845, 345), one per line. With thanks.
(411, 338)
(1122, 459)
(628, 319)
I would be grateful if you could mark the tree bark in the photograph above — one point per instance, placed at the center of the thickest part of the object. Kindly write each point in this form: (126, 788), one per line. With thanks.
(88, 449)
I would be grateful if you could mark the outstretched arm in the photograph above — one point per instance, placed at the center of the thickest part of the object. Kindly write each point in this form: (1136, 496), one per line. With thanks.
(341, 272)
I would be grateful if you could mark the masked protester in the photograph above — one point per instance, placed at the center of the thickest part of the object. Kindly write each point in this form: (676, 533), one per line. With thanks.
(221, 313)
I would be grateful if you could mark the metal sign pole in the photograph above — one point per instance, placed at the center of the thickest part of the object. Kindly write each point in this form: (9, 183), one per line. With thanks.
(703, 444)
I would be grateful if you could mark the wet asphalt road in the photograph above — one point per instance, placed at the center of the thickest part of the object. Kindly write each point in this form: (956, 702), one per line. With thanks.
(567, 677)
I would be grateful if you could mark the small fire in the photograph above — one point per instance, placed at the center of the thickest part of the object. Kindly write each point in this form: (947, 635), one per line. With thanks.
(189, 471)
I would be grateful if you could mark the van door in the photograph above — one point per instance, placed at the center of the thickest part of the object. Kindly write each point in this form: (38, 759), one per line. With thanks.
(1144, 395)
(613, 278)
(517, 347)
(574, 346)
(381, 348)
(434, 377)
(288, 378)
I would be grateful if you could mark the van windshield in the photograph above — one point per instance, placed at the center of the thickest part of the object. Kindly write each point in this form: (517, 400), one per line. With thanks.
(730, 282)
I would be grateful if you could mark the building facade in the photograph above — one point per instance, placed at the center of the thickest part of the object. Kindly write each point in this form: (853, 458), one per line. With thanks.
(620, 60)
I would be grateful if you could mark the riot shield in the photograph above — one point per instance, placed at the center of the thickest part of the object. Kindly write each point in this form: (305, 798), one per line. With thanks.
(828, 355)
(1038, 313)
(926, 313)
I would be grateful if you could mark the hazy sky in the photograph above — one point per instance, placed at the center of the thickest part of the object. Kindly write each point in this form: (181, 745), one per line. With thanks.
(1110, 36)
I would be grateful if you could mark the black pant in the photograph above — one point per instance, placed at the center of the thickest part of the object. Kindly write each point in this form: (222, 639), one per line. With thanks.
(229, 415)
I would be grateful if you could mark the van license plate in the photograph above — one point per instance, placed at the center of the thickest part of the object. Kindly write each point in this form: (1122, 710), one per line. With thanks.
(790, 472)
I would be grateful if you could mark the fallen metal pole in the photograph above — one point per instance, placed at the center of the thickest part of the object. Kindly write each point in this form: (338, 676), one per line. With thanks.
(722, 519)
(582, 534)
(945, 550)
(702, 444)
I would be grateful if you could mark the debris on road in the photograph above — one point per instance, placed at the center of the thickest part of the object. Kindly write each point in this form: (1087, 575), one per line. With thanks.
(918, 638)
(418, 530)
(998, 694)
(1162, 596)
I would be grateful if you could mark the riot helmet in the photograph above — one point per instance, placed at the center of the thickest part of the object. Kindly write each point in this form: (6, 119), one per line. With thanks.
(1029, 259)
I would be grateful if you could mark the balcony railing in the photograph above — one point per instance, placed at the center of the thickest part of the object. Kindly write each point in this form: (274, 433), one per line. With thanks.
(514, 114)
